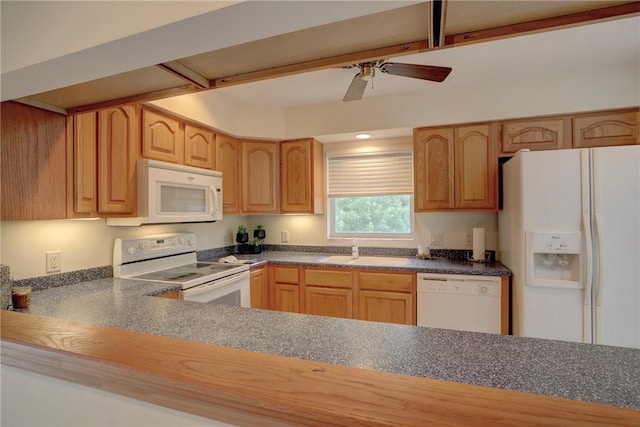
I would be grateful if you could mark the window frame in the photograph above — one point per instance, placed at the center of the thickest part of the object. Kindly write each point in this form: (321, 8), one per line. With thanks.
(369, 148)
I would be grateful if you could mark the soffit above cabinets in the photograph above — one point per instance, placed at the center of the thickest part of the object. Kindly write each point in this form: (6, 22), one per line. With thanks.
(397, 32)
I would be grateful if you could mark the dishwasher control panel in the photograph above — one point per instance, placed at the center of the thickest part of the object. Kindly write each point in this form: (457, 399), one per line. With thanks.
(460, 287)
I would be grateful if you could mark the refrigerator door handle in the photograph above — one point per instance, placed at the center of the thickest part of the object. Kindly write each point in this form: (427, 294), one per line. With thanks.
(589, 259)
(597, 294)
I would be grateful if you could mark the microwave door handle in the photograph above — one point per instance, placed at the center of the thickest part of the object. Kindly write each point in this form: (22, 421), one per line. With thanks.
(214, 199)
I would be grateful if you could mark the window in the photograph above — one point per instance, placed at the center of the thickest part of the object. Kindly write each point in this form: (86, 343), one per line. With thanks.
(370, 195)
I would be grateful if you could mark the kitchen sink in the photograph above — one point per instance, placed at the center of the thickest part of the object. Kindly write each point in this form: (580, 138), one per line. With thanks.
(365, 260)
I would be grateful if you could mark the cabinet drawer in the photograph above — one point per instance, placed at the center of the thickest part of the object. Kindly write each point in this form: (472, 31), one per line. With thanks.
(327, 278)
(286, 274)
(399, 282)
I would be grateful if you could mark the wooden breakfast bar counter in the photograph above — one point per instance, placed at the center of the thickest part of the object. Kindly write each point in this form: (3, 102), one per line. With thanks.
(259, 367)
(249, 388)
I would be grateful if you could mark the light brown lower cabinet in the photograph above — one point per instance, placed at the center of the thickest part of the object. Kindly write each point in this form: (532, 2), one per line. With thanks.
(171, 294)
(283, 288)
(258, 288)
(328, 292)
(383, 306)
(386, 297)
(333, 302)
(375, 295)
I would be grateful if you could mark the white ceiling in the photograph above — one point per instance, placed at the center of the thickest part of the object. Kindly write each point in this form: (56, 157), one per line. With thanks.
(606, 44)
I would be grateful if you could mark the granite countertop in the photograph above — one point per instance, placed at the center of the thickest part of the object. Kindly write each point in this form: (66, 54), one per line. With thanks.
(601, 374)
(438, 265)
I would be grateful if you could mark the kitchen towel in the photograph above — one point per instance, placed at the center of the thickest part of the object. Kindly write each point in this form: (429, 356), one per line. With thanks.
(478, 244)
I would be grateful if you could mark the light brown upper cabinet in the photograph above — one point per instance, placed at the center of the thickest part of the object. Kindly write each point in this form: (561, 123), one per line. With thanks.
(227, 161)
(258, 177)
(301, 177)
(33, 159)
(607, 128)
(199, 146)
(476, 167)
(118, 142)
(455, 168)
(162, 137)
(535, 134)
(82, 161)
(433, 169)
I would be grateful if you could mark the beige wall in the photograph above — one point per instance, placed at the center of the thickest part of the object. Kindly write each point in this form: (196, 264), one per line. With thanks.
(89, 244)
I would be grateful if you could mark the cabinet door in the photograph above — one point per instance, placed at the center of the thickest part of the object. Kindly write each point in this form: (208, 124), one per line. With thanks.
(433, 169)
(329, 302)
(382, 281)
(84, 165)
(227, 161)
(33, 163)
(258, 176)
(381, 306)
(547, 134)
(162, 137)
(198, 147)
(117, 155)
(286, 297)
(301, 177)
(259, 288)
(605, 129)
(475, 168)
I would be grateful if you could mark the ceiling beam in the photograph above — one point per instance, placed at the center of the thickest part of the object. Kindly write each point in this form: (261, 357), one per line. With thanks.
(185, 73)
(321, 64)
(545, 24)
(143, 97)
(436, 16)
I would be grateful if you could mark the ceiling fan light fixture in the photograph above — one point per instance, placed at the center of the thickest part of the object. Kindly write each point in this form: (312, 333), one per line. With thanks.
(367, 72)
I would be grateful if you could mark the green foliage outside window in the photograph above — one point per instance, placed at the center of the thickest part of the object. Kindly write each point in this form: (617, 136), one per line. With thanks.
(372, 214)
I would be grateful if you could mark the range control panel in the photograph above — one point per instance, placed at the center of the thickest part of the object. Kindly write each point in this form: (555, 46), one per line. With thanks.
(128, 250)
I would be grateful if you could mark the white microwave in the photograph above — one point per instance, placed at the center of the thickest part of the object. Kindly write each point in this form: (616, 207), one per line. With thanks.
(171, 193)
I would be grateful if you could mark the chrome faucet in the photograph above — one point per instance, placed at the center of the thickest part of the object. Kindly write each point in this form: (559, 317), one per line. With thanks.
(354, 249)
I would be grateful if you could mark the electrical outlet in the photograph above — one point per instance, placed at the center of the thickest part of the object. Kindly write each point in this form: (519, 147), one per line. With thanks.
(284, 236)
(437, 239)
(54, 263)
(468, 239)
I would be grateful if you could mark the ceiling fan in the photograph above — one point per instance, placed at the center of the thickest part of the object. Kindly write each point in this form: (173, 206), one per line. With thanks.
(368, 70)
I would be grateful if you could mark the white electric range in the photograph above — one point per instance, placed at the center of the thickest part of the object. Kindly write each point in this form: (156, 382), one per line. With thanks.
(172, 258)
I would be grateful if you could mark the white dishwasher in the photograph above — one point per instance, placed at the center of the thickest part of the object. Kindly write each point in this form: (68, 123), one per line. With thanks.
(462, 302)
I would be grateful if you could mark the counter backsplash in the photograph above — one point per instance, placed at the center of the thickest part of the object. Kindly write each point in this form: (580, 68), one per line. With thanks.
(73, 277)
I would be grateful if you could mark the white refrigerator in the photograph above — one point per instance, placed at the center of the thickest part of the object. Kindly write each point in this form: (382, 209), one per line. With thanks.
(569, 230)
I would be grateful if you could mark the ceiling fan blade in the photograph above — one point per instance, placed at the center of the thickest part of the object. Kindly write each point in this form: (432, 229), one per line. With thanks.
(356, 89)
(424, 72)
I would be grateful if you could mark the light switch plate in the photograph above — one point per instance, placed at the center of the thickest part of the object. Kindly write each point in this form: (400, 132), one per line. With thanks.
(284, 236)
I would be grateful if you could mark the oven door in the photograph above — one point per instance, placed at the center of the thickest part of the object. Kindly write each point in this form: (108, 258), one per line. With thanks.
(231, 290)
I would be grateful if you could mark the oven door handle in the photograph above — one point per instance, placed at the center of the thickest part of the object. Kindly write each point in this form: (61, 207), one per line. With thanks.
(206, 287)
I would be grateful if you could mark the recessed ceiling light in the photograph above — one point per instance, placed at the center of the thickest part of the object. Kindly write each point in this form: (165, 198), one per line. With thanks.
(363, 136)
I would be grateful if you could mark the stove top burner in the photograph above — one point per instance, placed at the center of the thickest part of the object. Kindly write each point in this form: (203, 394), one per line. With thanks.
(188, 272)
(183, 277)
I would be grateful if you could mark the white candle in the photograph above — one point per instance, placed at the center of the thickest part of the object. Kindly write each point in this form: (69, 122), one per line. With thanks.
(478, 244)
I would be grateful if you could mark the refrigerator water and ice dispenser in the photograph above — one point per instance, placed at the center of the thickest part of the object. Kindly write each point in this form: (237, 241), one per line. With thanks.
(553, 259)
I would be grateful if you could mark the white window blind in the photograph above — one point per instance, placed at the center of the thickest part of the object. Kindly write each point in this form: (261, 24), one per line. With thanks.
(370, 174)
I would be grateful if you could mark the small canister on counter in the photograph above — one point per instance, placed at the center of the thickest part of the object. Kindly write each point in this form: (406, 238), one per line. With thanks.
(21, 297)
(5, 287)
